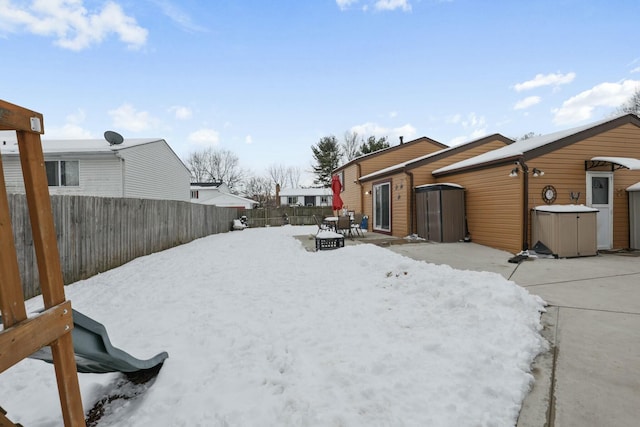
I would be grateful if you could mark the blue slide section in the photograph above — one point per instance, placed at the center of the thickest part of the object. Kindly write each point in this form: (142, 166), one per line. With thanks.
(95, 353)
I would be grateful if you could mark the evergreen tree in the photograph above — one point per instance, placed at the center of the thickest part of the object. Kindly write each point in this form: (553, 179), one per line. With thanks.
(372, 144)
(327, 157)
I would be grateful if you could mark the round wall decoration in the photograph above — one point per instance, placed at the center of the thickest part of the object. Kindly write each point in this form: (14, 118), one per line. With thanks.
(549, 194)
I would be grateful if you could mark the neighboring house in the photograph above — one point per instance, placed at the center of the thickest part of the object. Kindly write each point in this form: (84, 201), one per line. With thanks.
(592, 165)
(218, 194)
(389, 193)
(137, 168)
(352, 194)
(304, 196)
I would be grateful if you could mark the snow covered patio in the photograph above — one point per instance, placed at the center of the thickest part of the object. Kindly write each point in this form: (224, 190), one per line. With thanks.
(261, 332)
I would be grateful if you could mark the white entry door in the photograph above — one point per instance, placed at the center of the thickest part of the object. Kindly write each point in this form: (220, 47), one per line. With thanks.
(600, 196)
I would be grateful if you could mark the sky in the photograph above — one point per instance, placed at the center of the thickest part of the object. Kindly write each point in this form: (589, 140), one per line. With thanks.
(268, 80)
(358, 336)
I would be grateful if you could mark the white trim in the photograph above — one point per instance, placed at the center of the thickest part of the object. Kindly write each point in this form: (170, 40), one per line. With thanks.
(608, 207)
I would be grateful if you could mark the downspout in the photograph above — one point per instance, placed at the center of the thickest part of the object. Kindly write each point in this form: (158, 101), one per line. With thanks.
(360, 184)
(525, 205)
(412, 197)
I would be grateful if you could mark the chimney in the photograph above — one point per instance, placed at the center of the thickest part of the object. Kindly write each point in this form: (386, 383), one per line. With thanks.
(401, 139)
(278, 195)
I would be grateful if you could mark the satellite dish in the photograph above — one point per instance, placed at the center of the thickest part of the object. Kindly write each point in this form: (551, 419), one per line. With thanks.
(113, 138)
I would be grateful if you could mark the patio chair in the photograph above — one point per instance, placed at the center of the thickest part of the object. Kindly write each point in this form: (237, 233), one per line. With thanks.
(344, 225)
(321, 225)
(356, 225)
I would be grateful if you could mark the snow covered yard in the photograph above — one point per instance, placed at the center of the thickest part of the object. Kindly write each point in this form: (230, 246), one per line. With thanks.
(261, 332)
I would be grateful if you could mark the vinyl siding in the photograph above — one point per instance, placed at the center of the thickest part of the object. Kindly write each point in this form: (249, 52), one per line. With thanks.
(493, 205)
(564, 169)
(100, 177)
(152, 171)
(353, 193)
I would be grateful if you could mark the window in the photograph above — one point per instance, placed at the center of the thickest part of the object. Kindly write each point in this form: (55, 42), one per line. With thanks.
(194, 194)
(292, 200)
(62, 173)
(324, 200)
(382, 207)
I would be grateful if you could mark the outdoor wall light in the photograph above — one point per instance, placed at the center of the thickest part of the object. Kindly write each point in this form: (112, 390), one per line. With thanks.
(537, 172)
(514, 172)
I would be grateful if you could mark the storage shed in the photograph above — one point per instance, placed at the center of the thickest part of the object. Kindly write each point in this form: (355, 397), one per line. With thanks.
(440, 212)
(634, 216)
(566, 230)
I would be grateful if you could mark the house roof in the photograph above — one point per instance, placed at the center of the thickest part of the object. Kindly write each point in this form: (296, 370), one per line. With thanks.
(286, 192)
(392, 148)
(435, 156)
(536, 146)
(82, 146)
(226, 199)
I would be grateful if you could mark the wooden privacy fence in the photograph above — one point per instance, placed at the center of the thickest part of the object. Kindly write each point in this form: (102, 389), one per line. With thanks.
(96, 234)
(262, 217)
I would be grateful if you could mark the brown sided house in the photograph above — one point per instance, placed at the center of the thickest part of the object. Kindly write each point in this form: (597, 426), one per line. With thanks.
(351, 172)
(593, 165)
(389, 194)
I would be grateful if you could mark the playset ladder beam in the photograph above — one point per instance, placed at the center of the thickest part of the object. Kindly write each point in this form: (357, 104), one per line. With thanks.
(28, 126)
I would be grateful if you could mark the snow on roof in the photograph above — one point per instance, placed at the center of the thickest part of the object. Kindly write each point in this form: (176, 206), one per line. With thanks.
(627, 162)
(82, 145)
(565, 208)
(634, 187)
(520, 147)
(417, 159)
(305, 192)
(226, 199)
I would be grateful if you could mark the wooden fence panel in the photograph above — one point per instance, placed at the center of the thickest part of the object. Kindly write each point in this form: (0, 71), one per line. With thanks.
(96, 234)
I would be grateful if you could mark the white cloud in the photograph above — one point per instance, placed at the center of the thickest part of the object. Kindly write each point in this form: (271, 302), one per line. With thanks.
(581, 106)
(527, 102)
(393, 114)
(393, 134)
(636, 70)
(473, 121)
(393, 5)
(68, 131)
(345, 4)
(380, 5)
(473, 125)
(205, 137)
(69, 22)
(248, 139)
(128, 118)
(179, 16)
(456, 118)
(545, 80)
(180, 112)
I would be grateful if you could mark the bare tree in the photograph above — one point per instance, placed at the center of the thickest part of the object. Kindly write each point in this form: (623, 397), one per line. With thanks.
(293, 176)
(632, 105)
(211, 165)
(259, 189)
(350, 146)
(286, 176)
(278, 174)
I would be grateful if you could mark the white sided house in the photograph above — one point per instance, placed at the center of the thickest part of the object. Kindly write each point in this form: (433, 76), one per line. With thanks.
(218, 194)
(305, 196)
(136, 168)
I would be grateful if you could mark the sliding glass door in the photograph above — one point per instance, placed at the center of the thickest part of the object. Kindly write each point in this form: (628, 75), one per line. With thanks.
(382, 207)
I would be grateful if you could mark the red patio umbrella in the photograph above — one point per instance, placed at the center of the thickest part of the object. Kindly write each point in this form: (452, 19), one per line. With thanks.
(336, 187)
